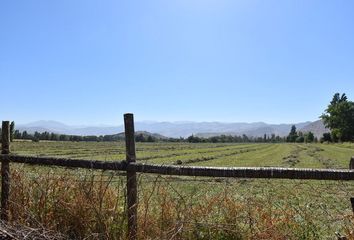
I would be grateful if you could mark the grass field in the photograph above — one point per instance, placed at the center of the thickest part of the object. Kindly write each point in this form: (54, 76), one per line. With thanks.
(204, 154)
(185, 207)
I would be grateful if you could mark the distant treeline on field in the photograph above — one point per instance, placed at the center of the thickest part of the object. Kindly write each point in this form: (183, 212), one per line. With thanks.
(236, 139)
(50, 136)
(142, 136)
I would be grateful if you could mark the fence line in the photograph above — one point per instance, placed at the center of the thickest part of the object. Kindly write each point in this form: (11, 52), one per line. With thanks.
(228, 172)
(131, 167)
(245, 172)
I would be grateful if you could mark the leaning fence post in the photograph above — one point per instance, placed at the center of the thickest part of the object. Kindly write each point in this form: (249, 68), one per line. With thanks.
(132, 199)
(5, 171)
(351, 167)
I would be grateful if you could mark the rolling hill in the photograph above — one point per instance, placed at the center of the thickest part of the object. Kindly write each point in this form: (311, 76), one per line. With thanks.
(317, 128)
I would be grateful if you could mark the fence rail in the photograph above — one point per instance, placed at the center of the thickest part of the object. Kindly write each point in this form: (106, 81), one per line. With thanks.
(131, 167)
(66, 162)
(227, 172)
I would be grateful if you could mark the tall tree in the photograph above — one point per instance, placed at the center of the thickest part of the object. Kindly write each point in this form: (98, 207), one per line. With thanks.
(339, 117)
(292, 135)
(17, 134)
(25, 135)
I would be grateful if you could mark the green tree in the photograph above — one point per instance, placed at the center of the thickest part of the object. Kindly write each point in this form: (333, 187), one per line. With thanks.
(17, 134)
(140, 137)
(150, 139)
(309, 137)
(36, 137)
(326, 137)
(54, 137)
(193, 139)
(339, 117)
(292, 135)
(300, 139)
(25, 135)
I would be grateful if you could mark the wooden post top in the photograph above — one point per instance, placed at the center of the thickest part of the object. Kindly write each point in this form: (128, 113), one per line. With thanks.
(5, 137)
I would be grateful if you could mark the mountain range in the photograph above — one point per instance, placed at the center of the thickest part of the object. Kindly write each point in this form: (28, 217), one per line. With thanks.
(179, 129)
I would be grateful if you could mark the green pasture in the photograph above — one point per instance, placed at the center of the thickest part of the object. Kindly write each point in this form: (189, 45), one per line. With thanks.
(202, 154)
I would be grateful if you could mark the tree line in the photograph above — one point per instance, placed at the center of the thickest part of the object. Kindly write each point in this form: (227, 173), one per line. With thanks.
(236, 139)
(139, 137)
(50, 136)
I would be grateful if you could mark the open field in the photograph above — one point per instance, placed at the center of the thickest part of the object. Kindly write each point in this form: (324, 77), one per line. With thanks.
(185, 207)
(204, 154)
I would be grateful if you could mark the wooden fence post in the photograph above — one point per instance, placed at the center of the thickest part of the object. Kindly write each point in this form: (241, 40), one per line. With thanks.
(351, 167)
(5, 171)
(132, 193)
(351, 164)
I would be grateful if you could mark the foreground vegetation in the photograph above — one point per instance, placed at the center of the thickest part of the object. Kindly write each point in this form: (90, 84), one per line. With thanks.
(91, 204)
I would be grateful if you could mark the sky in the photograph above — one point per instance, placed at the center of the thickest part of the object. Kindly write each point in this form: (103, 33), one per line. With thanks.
(87, 62)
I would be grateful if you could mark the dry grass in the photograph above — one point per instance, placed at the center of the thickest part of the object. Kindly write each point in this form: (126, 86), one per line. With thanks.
(20, 232)
(88, 207)
(91, 205)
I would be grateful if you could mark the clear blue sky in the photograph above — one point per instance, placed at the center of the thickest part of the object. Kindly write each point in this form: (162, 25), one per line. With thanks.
(88, 62)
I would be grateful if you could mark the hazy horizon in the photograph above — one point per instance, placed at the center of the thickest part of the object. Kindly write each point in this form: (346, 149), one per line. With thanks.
(151, 121)
(170, 129)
